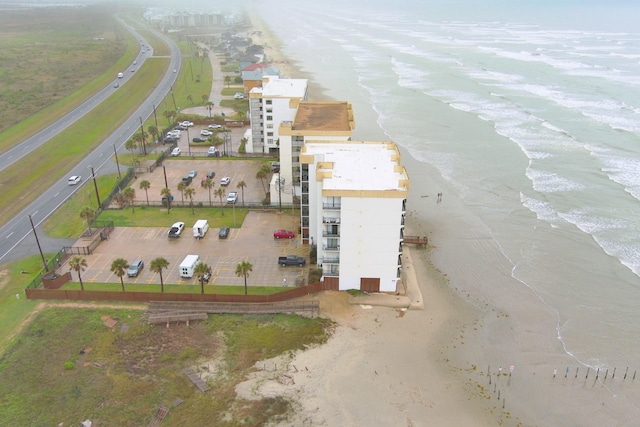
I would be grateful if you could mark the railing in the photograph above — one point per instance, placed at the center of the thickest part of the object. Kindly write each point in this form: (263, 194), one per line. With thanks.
(335, 260)
(328, 220)
(330, 206)
(330, 234)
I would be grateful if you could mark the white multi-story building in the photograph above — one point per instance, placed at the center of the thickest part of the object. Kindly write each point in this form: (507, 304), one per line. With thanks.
(313, 120)
(276, 101)
(353, 203)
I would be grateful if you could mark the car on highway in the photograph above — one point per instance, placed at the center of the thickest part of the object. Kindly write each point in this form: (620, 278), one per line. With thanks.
(225, 181)
(186, 123)
(75, 179)
(205, 132)
(223, 233)
(176, 152)
(176, 230)
(198, 139)
(232, 197)
(193, 174)
(135, 268)
(214, 126)
(116, 85)
(283, 234)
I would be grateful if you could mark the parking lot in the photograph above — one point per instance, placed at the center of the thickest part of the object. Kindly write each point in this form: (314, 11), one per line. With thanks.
(253, 242)
(176, 169)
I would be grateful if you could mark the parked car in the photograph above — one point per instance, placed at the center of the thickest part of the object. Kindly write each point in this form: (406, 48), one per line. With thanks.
(225, 181)
(187, 180)
(180, 127)
(275, 166)
(176, 230)
(75, 179)
(212, 152)
(198, 139)
(205, 132)
(186, 123)
(175, 152)
(193, 174)
(291, 260)
(223, 233)
(135, 268)
(214, 126)
(171, 139)
(211, 175)
(239, 95)
(283, 234)
(232, 197)
(206, 276)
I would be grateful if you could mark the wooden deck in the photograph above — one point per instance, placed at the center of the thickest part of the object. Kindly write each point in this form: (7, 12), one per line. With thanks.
(196, 380)
(416, 240)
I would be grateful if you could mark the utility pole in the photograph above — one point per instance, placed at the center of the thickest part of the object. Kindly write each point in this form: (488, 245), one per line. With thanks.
(117, 163)
(44, 262)
(95, 184)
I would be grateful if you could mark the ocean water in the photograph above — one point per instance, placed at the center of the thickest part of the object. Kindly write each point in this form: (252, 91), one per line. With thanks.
(530, 114)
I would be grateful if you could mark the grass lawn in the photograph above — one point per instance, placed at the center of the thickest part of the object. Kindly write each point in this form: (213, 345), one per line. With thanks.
(71, 367)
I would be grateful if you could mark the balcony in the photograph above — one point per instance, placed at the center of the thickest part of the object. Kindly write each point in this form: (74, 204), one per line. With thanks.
(329, 220)
(331, 260)
(333, 248)
(330, 233)
(331, 206)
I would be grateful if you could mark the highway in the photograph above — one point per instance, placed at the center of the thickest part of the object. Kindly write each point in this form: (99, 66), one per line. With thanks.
(16, 236)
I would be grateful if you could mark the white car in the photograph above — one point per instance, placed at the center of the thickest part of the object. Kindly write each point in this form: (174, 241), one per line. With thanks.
(214, 126)
(239, 96)
(75, 179)
(187, 124)
(175, 152)
(176, 230)
(232, 197)
(205, 132)
(175, 133)
(225, 181)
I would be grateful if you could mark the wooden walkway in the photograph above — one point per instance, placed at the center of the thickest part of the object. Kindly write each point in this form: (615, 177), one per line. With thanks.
(196, 380)
(174, 309)
(416, 240)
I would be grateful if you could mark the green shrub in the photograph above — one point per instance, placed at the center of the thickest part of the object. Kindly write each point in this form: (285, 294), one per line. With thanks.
(68, 365)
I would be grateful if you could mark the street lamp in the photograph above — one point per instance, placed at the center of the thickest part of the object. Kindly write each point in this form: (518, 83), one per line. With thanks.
(188, 141)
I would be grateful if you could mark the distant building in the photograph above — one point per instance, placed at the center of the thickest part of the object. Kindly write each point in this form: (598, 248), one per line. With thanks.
(253, 75)
(274, 102)
(353, 202)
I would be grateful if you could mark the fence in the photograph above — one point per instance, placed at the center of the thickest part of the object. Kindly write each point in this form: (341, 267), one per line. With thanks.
(146, 297)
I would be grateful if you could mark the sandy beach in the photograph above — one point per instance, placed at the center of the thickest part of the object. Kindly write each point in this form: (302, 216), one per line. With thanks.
(384, 365)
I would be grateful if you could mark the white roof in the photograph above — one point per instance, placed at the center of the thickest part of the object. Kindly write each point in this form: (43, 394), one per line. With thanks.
(284, 88)
(358, 165)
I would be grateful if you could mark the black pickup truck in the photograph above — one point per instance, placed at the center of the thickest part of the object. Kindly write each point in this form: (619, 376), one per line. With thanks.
(291, 260)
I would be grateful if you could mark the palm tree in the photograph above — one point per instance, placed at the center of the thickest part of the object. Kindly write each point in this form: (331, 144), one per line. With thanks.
(88, 214)
(145, 185)
(190, 98)
(157, 265)
(78, 264)
(181, 187)
(200, 270)
(166, 193)
(167, 115)
(153, 131)
(220, 193)
(118, 267)
(243, 269)
(210, 106)
(241, 185)
(262, 174)
(190, 192)
(227, 80)
(129, 194)
(131, 145)
(204, 98)
(208, 184)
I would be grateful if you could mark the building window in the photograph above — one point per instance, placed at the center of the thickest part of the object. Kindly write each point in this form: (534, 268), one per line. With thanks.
(268, 102)
(269, 125)
(269, 117)
(270, 141)
(269, 133)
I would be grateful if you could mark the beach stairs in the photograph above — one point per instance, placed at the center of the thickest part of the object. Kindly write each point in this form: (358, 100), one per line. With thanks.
(196, 380)
(416, 240)
(160, 415)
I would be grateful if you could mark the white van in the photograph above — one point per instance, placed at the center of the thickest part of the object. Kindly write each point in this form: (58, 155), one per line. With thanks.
(188, 265)
(120, 75)
(200, 228)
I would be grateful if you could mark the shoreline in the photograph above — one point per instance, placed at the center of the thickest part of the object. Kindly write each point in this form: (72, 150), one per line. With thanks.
(382, 364)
